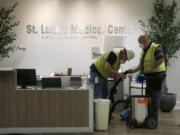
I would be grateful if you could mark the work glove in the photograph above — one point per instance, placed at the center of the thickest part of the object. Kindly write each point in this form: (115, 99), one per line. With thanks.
(139, 79)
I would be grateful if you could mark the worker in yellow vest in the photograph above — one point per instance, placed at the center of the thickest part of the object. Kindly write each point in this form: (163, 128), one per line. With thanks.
(107, 65)
(152, 66)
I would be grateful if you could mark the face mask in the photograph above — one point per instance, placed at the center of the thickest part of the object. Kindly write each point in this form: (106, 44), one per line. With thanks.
(141, 45)
(122, 61)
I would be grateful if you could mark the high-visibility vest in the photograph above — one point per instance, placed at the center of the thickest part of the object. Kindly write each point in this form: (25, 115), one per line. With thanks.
(101, 61)
(149, 59)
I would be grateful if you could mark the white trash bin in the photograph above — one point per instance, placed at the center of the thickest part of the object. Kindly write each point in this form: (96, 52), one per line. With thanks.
(101, 113)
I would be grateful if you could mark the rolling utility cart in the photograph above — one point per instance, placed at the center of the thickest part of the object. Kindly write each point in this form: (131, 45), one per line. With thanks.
(137, 107)
(125, 102)
(140, 114)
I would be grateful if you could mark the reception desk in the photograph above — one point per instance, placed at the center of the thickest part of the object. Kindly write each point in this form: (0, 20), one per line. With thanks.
(43, 110)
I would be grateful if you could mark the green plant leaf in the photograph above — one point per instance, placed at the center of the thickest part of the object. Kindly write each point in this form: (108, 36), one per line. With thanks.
(162, 29)
(7, 35)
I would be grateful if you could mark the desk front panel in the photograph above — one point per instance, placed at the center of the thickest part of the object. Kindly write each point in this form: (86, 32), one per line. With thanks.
(41, 108)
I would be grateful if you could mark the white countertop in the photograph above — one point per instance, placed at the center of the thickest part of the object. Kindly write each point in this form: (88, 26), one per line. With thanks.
(7, 69)
(41, 89)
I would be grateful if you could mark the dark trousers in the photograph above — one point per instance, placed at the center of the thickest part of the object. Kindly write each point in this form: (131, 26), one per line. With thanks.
(153, 89)
(99, 85)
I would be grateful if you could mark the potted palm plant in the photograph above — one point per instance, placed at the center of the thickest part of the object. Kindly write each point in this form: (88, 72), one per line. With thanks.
(7, 35)
(162, 28)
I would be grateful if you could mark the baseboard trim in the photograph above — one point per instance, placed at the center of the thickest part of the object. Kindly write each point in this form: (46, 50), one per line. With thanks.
(177, 107)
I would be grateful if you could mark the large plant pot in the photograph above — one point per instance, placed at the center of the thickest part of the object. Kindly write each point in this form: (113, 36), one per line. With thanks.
(167, 102)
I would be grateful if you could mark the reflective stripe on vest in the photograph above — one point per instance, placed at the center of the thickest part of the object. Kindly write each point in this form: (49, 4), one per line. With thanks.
(101, 61)
(149, 59)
